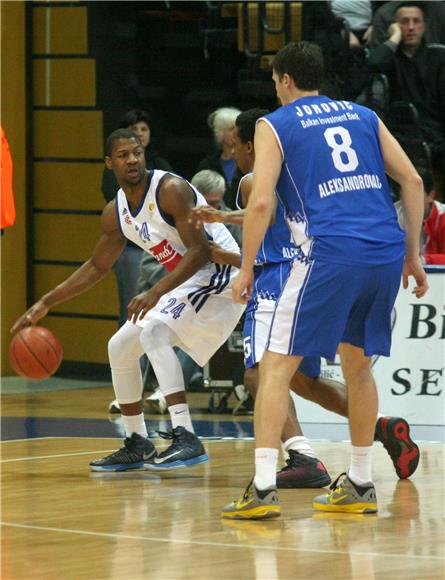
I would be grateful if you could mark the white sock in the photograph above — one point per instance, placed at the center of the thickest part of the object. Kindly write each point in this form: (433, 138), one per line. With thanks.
(266, 460)
(361, 464)
(134, 424)
(301, 444)
(180, 416)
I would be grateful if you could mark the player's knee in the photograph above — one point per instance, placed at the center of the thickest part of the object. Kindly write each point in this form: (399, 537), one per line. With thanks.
(121, 345)
(115, 348)
(358, 373)
(155, 333)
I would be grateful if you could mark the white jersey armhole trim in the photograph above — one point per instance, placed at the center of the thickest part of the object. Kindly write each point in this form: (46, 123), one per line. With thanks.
(238, 200)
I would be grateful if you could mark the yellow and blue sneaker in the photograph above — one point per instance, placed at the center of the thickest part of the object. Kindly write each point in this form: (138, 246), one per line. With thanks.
(254, 505)
(348, 497)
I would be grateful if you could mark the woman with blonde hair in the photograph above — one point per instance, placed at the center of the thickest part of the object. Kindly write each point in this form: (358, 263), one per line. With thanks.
(222, 123)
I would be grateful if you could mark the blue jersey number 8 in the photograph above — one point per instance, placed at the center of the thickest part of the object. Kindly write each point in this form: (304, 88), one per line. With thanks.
(343, 155)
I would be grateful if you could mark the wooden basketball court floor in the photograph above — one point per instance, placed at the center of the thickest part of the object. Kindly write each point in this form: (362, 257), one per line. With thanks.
(61, 521)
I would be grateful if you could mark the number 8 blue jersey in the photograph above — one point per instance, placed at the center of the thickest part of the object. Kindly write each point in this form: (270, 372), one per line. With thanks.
(333, 183)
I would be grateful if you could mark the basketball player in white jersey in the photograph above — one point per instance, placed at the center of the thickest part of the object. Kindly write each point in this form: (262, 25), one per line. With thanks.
(272, 266)
(191, 307)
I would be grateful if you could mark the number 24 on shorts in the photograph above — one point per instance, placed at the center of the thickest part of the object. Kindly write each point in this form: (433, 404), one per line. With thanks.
(172, 308)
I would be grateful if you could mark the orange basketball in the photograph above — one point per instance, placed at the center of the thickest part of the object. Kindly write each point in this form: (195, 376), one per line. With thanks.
(35, 353)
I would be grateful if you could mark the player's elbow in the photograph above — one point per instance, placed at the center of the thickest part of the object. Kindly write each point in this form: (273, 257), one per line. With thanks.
(412, 180)
(417, 182)
(262, 206)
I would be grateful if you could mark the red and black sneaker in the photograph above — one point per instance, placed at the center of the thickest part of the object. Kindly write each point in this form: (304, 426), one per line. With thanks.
(393, 432)
(302, 471)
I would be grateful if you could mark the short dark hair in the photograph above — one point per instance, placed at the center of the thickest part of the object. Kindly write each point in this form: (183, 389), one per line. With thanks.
(132, 117)
(303, 61)
(427, 178)
(246, 122)
(411, 4)
(119, 134)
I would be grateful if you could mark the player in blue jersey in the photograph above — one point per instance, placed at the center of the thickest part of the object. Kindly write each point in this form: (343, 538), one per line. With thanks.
(326, 161)
(272, 266)
(303, 469)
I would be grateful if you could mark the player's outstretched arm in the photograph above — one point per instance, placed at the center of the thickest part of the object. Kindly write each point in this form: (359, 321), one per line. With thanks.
(177, 199)
(107, 250)
(399, 167)
(206, 214)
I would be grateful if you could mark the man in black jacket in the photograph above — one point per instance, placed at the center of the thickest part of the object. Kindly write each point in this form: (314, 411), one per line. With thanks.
(416, 74)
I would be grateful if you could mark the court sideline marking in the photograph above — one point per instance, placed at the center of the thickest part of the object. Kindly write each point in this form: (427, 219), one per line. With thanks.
(216, 544)
(77, 453)
(56, 456)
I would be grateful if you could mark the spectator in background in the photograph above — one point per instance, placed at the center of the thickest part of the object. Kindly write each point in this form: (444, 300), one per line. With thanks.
(358, 15)
(212, 186)
(432, 238)
(126, 267)
(222, 122)
(434, 19)
(416, 74)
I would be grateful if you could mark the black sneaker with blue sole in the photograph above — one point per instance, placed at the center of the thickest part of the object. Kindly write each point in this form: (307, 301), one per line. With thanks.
(186, 450)
(133, 455)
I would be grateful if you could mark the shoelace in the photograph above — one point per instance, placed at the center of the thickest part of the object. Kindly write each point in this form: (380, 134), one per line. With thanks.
(129, 446)
(166, 434)
(248, 491)
(334, 483)
(295, 459)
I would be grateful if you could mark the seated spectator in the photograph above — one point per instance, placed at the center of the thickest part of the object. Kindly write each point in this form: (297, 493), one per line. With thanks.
(432, 239)
(358, 16)
(212, 186)
(222, 122)
(416, 74)
(384, 16)
(126, 267)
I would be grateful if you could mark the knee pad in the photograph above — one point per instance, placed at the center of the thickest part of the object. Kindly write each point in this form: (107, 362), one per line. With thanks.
(125, 345)
(155, 334)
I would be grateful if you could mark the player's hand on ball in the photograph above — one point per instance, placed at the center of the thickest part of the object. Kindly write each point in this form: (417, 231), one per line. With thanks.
(31, 317)
(242, 287)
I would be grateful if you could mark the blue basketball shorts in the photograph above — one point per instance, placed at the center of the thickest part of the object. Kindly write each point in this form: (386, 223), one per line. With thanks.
(323, 304)
(268, 284)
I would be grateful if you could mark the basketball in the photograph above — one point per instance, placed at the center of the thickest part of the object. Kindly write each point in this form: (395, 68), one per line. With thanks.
(35, 353)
